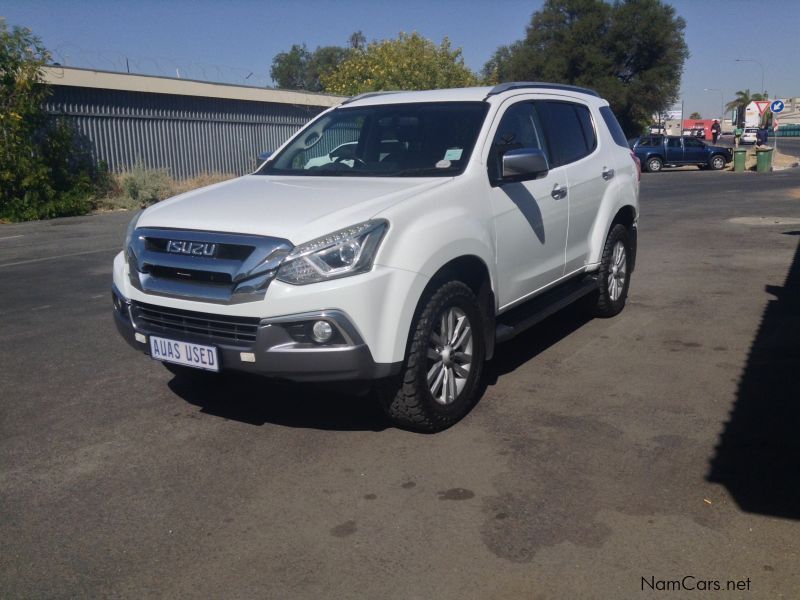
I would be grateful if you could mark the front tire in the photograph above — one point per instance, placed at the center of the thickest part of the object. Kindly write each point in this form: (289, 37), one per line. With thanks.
(440, 381)
(614, 274)
(717, 162)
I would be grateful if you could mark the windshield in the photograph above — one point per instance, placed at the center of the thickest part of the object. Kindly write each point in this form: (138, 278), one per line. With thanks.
(392, 140)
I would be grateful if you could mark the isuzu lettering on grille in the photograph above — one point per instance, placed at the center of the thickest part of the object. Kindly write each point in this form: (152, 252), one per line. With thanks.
(191, 248)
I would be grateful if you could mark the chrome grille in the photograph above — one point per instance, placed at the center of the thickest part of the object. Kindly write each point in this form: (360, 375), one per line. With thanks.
(222, 329)
(239, 269)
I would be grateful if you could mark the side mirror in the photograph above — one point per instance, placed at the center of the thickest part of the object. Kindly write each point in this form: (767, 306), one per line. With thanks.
(523, 164)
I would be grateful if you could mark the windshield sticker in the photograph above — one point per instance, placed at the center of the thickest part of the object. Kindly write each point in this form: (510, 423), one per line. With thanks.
(453, 154)
(443, 164)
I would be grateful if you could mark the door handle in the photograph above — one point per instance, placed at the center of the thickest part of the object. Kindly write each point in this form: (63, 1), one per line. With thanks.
(608, 173)
(559, 192)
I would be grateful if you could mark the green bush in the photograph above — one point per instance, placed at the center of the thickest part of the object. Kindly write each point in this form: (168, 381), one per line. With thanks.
(146, 186)
(45, 169)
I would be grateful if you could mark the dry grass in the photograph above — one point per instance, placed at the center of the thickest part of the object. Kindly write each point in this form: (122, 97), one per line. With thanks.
(140, 187)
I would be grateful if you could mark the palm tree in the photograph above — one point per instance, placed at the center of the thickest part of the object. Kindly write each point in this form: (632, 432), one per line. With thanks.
(743, 98)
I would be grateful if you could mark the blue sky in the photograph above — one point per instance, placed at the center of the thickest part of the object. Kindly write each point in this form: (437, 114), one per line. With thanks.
(229, 40)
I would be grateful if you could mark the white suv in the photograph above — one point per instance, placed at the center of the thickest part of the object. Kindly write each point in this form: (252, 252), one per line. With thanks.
(445, 222)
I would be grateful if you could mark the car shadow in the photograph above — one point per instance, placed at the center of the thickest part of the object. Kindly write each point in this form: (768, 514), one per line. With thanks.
(528, 206)
(259, 400)
(758, 455)
(512, 354)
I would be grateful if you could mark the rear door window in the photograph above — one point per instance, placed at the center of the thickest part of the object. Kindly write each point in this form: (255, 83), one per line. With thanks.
(569, 129)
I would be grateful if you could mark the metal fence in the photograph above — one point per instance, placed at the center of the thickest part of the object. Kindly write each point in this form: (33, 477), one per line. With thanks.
(186, 135)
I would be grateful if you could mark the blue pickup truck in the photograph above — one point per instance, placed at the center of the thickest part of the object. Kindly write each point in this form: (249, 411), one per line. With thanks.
(659, 151)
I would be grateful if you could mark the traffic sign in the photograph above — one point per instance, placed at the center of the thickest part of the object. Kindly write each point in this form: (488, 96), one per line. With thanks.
(762, 105)
(776, 106)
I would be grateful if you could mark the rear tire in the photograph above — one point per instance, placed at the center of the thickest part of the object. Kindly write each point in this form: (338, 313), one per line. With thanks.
(614, 275)
(440, 380)
(654, 164)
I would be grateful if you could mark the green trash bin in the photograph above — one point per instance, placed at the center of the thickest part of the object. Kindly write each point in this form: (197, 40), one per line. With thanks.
(739, 155)
(763, 160)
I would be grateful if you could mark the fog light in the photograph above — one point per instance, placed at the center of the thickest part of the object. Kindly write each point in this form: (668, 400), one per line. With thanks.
(321, 332)
(140, 337)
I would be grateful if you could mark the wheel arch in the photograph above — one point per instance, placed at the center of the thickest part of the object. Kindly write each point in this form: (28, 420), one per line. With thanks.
(473, 271)
(653, 155)
(626, 216)
(724, 158)
(620, 207)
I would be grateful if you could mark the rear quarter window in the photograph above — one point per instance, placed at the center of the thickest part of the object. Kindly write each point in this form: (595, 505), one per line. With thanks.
(613, 126)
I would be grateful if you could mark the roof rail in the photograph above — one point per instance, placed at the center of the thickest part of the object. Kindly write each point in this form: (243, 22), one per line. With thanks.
(519, 85)
(367, 95)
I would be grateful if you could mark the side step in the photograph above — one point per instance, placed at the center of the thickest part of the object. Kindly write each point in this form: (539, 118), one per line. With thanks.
(524, 316)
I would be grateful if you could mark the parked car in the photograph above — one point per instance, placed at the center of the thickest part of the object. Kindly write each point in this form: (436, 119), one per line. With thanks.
(699, 133)
(496, 207)
(750, 135)
(657, 152)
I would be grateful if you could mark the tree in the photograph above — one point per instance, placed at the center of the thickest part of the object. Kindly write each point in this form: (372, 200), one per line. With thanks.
(43, 172)
(605, 47)
(301, 69)
(695, 115)
(289, 69)
(409, 62)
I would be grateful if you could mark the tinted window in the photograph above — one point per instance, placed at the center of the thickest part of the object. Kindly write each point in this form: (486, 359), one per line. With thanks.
(674, 143)
(569, 131)
(613, 126)
(693, 142)
(587, 127)
(650, 141)
(519, 128)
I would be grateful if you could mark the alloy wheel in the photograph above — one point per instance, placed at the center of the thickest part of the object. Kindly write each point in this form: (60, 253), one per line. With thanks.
(449, 355)
(617, 272)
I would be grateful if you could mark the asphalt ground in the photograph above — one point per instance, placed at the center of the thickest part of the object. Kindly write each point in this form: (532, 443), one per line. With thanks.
(607, 459)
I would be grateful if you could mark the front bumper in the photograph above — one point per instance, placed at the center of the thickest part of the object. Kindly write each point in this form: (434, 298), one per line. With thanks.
(274, 348)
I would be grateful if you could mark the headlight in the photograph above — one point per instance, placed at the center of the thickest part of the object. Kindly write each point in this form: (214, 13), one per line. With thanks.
(339, 254)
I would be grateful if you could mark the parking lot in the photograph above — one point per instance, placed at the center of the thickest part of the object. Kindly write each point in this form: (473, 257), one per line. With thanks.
(605, 454)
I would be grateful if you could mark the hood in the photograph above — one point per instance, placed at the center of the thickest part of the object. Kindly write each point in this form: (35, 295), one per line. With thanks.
(294, 208)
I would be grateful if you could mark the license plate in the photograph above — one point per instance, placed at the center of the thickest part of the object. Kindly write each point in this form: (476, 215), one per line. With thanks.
(184, 353)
